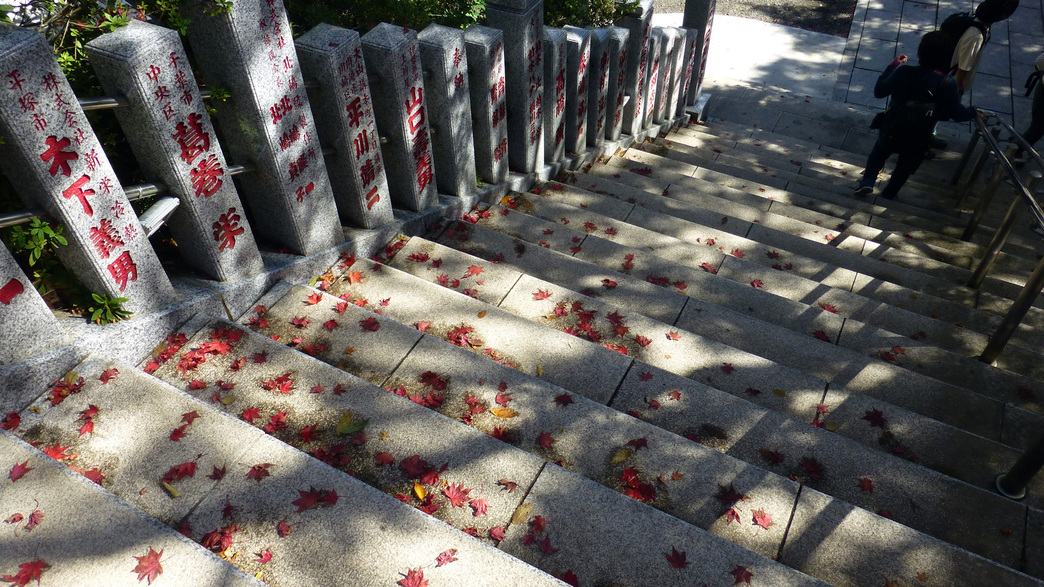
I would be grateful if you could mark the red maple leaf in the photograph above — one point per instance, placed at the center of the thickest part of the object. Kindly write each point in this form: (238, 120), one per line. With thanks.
(541, 294)
(728, 496)
(264, 556)
(503, 399)
(609, 283)
(497, 533)
(509, 486)
(638, 443)
(563, 399)
(179, 472)
(675, 395)
(413, 579)
(14, 519)
(58, 453)
(34, 520)
(237, 364)
(876, 418)
(737, 253)
(472, 271)
(772, 456)
(18, 470)
(456, 494)
(446, 558)
(11, 421)
(813, 467)
(108, 375)
(283, 529)
(829, 308)
(221, 538)
(218, 474)
(545, 440)
(677, 559)
(706, 266)
(330, 324)
(87, 428)
(742, 574)
(149, 566)
(250, 414)
(300, 321)
(259, 471)
(276, 422)
(370, 324)
(307, 432)
(772, 254)
(419, 257)
(865, 484)
(645, 376)
(545, 545)
(673, 335)
(478, 507)
(189, 417)
(757, 283)
(27, 572)
(762, 519)
(727, 368)
(383, 459)
(732, 516)
(197, 384)
(178, 433)
(423, 325)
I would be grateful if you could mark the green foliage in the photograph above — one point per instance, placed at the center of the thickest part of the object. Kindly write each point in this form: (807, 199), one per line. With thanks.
(40, 238)
(107, 310)
(363, 15)
(582, 13)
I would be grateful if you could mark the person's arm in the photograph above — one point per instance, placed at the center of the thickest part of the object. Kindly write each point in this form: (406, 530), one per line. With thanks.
(888, 81)
(968, 48)
(961, 75)
(950, 101)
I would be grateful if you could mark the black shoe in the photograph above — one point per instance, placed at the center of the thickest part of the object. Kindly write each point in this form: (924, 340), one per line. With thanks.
(863, 191)
(889, 195)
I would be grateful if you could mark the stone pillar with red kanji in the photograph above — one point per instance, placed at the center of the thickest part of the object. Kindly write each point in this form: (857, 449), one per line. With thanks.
(400, 108)
(248, 50)
(672, 71)
(578, 58)
(598, 87)
(662, 70)
(332, 58)
(488, 87)
(554, 94)
(172, 137)
(699, 16)
(652, 88)
(445, 64)
(617, 92)
(638, 25)
(27, 326)
(522, 22)
(690, 63)
(55, 161)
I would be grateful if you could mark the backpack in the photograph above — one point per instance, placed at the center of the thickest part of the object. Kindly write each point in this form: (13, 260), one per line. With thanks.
(955, 25)
(909, 124)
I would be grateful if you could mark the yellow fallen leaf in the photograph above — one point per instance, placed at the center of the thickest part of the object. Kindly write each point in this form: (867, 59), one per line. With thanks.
(71, 377)
(418, 490)
(383, 436)
(258, 574)
(832, 426)
(170, 489)
(779, 392)
(159, 349)
(521, 514)
(348, 350)
(35, 410)
(503, 412)
(482, 314)
(620, 456)
(228, 399)
(677, 476)
(540, 370)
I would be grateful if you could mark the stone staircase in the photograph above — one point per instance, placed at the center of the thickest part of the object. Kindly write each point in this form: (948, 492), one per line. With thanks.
(695, 361)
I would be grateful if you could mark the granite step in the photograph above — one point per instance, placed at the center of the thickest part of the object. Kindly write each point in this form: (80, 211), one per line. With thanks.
(986, 299)
(64, 529)
(918, 315)
(242, 493)
(515, 291)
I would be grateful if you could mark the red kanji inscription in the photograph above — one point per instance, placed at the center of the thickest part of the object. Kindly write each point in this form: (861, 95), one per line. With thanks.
(76, 191)
(372, 197)
(206, 177)
(58, 157)
(123, 270)
(191, 138)
(105, 238)
(415, 108)
(227, 228)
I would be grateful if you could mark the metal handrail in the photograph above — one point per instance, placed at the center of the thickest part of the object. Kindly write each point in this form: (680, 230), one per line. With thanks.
(1035, 283)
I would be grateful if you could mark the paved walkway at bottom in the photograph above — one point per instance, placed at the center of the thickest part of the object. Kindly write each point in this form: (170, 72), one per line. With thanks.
(826, 66)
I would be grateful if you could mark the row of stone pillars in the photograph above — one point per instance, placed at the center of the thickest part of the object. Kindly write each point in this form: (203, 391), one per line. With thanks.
(390, 119)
